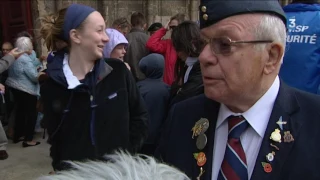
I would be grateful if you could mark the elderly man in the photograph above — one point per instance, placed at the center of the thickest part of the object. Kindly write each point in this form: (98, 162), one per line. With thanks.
(6, 48)
(249, 124)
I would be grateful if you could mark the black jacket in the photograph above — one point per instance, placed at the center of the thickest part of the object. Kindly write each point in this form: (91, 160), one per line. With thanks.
(193, 87)
(104, 114)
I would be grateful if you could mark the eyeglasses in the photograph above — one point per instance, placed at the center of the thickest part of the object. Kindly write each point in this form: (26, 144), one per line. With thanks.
(6, 50)
(223, 45)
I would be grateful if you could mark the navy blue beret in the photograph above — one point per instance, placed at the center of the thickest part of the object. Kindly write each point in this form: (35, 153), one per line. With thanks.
(212, 11)
(75, 15)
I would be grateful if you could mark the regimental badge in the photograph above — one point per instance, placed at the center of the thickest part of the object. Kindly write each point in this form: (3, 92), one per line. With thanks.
(274, 146)
(281, 123)
(267, 167)
(200, 127)
(201, 158)
(201, 173)
(201, 141)
(287, 137)
(270, 156)
(276, 136)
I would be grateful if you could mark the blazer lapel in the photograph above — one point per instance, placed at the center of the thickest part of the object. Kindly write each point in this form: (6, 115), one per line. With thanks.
(285, 106)
(211, 112)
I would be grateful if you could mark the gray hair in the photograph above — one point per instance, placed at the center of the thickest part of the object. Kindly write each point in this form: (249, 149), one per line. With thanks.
(121, 166)
(271, 27)
(24, 44)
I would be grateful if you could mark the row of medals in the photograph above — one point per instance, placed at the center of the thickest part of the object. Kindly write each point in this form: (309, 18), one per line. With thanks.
(198, 131)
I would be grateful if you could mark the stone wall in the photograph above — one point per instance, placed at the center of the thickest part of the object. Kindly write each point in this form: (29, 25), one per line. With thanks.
(154, 10)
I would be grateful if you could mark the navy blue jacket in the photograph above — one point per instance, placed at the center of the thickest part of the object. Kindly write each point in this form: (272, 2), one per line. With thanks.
(104, 114)
(294, 161)
(155, 94)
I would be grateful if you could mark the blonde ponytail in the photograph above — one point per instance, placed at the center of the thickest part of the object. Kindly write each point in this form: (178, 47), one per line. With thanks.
(51, 28)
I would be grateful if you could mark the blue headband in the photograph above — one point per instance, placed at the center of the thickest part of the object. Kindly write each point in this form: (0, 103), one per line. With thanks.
(75, 15)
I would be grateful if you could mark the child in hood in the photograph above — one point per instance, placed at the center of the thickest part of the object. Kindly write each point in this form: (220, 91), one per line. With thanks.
(117, 45)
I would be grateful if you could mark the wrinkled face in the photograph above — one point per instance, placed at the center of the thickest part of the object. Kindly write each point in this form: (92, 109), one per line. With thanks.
(93, 37)
(6, 48)
(229, 77)
(119, 51)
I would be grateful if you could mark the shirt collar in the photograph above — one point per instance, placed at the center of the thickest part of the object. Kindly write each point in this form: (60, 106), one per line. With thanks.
(191, 61)
(258, 115)
(72, 80)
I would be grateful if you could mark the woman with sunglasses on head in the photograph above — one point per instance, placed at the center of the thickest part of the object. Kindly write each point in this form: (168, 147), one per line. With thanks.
(91, 105)
(188, 44)
(164, 46)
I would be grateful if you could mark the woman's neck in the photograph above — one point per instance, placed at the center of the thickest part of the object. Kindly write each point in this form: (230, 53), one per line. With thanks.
(80, 65)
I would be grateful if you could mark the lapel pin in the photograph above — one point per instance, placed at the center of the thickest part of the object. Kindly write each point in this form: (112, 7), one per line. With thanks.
(274, 146)
(281, 123)
(201, 158)
(267, 167)
(201, 141)
(288, 137)
(276, 136)
(270, 156)
(200, 127)
(201, 173)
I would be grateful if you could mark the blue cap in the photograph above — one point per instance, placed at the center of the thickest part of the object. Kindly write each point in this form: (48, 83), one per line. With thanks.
(212, 11)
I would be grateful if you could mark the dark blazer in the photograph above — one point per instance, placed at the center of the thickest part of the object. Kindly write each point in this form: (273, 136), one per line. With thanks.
(193, 87)
(295, 160)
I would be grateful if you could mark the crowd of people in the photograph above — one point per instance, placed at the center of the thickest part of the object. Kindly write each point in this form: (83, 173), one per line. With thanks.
(212, 100)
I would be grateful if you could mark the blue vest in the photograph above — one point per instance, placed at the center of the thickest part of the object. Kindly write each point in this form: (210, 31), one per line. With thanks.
(301, 63)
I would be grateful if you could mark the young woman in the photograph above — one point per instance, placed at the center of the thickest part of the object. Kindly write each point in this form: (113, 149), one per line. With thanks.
(91, 107)
(157, 44)
(188, 44)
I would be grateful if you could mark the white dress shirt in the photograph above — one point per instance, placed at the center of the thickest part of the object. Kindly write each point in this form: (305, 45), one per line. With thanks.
(258, 117)
(71, 79)
(189, 62)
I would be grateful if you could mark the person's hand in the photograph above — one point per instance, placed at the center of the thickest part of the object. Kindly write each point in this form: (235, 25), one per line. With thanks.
(43, 58)
(41, 73)
(2, 88)
(42, 76)
(15, 53)
(167, 27)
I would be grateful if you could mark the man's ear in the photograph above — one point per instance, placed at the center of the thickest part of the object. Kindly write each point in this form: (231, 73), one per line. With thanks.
(275, 55)
(74, 36)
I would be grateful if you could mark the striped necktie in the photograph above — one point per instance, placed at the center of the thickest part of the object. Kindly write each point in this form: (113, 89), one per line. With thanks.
(234, 164)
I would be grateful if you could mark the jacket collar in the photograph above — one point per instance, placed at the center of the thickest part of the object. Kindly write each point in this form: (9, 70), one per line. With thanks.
(55, 69)
(105, 69)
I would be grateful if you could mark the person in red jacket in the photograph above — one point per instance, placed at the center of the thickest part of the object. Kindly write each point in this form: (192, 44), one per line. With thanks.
(164, 46)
